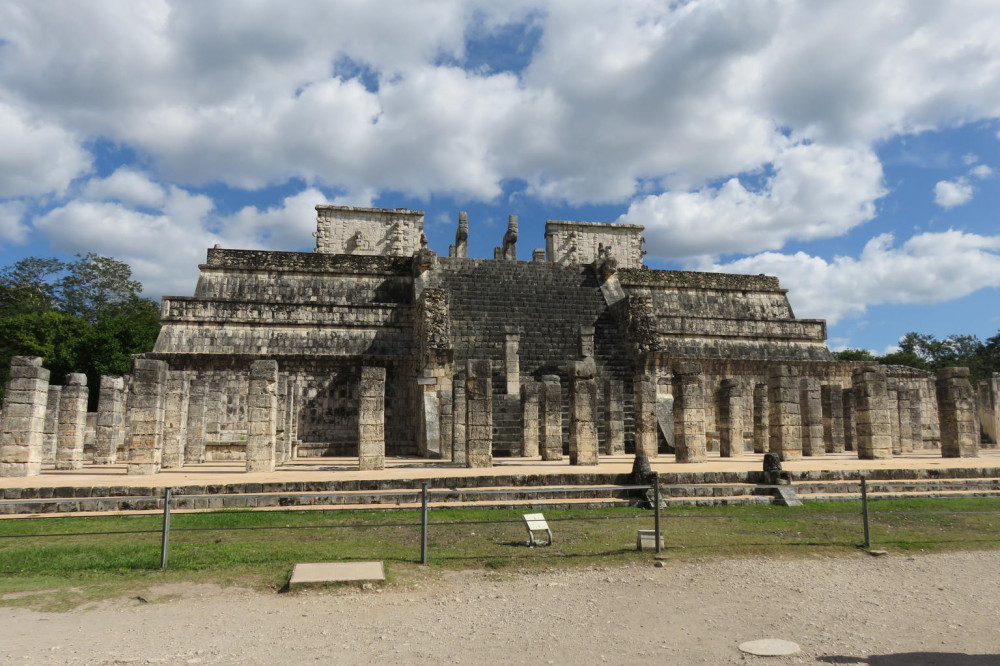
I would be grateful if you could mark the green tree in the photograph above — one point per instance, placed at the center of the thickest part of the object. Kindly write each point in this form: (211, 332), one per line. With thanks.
(855, 355)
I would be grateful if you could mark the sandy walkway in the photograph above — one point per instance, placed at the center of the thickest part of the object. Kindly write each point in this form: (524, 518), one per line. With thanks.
(889, 611)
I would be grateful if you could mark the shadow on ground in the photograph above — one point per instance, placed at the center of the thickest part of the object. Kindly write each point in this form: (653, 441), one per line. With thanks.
(917, 659)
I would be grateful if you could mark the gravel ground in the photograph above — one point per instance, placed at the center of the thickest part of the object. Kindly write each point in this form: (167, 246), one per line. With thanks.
(885, 611)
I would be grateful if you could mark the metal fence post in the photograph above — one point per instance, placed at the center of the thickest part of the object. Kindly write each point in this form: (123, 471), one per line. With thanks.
(864, 512)
(656, 511)
(165, 541)
(423, 523)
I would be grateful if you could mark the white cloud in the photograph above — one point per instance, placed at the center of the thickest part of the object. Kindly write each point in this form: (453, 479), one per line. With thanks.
(128, 186)
(815, 192)
(951, 193)
(927, 268)
(36, 157)
(12, 227)
(981, 171)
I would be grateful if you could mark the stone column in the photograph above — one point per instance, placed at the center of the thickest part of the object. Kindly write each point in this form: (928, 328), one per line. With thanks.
(903, 396)
(916, 416)
(213, 412)
(551, 404)
(833, 418)
(50, 436)
(871, 412)
(458, 439)
(730, 419)
(72, 422)
(614, 418)
(644, 415)
(175, 406)
(850, 426)
(583, 412)
(956, 409)
(529, 418)
(479, 414)
(22, 425)
(760, 421)
(447, 420)
(512, 364)
(371, 419)
(892, 401)
(690, 442)
(145, 416)
(281, 422)
(812, 417)
(110, 420)
(197, 415)
(785, 416)
(993, 384)
(262, 416)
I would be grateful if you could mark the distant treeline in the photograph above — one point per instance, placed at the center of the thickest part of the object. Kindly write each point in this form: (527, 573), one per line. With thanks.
(926, 352)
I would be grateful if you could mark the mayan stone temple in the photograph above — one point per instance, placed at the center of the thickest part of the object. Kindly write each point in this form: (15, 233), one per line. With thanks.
(374, 346)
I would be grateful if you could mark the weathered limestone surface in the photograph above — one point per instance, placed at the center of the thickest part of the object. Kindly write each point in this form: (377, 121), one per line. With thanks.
(197, 419)
(614, 417)
(145, 416)
(51, 436)
(730, 419)
(892, 401)
(447, 422)
(72, 422)
(689, 414)
(458, 430)
(785, 417)
(281, 422)
(175, 406)
(833, 418)
(371, 419)
(644, 406)
(989, 407)
(551, 405)
(110, 434)
(760, 419)
(479, 414)
(959, 437)
(850, 424)
(903, 398)
(512, 365)
(872, 414)
(583, 413)
(578, 242)
(262, 416)
(22, 424)
(529, 418)
(368, 231)
(812, 417)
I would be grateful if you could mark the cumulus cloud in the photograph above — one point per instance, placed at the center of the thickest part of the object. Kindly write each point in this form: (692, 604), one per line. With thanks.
(951, 193)
(37, 157)
(928, 268)
(127, 186)
(13, 230)
(816, 192)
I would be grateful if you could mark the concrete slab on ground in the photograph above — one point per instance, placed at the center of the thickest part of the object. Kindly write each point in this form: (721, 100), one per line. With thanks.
(335, 572)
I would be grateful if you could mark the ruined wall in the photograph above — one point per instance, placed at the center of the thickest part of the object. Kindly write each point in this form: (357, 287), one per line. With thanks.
(568, 243)
(368, 231)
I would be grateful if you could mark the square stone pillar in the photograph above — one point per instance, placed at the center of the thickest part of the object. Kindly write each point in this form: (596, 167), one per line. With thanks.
(213, 412)
(730, 419)
(583, 412)
(458, 413)
(903, 397)
(72, 422)
(644, 415)
(956, 410)
(50, 435)
(833, 418)
(690, 442)
(22, 425)
(371, 419)
(551, 405)
(529, 418)
(512, 364)
(850, 425)
(614, 418)
(145, 416)
(916, 416)
(812, 417)
(992, 424)
(871, 412)
(175, 408)
(785, 417)
(197, 419)
(760, 420)
(110, 420)
(479, 414)
(446, 404)
(294, 407)
(262, 416)
(892, 401)
(281, 422)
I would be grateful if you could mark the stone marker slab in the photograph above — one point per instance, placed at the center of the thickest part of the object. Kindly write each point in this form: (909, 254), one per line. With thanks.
(769, 647)
(335, 572)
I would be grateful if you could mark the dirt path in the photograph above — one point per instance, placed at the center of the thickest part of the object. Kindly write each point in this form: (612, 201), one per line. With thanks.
(888, 611)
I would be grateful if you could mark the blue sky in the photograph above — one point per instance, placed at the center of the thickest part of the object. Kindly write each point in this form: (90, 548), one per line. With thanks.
(850, 148)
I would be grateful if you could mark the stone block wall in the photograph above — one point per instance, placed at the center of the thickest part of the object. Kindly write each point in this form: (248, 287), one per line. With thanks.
(22, 423)
(368, 231)
(569, 243)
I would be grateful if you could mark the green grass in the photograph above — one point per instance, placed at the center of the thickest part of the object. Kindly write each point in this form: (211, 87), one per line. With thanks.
(228, 547)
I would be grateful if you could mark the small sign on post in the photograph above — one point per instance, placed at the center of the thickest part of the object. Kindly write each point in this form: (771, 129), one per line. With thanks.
(535, 522)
